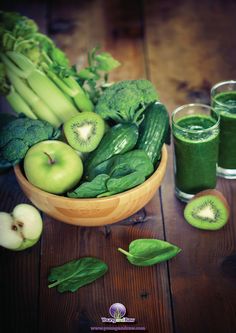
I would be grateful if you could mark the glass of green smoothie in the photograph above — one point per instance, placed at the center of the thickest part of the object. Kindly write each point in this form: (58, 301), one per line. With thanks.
(223, 97)
(195, 129)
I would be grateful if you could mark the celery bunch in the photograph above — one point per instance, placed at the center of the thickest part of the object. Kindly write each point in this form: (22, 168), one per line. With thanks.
(36, 76)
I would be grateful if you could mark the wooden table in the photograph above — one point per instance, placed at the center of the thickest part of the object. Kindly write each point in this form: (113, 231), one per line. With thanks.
(183, 47)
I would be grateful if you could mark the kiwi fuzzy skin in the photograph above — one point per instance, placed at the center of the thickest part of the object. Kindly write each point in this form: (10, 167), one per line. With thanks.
(215, 193)
(219, 196)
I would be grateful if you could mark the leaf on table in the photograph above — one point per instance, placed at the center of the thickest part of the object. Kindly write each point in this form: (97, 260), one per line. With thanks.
(76, 274)
(147, 252)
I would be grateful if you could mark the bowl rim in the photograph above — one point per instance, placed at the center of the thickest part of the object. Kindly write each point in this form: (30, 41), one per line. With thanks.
(161, 168)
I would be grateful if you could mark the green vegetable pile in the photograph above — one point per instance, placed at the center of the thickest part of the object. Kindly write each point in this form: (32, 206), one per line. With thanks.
(37, 78)
(121, 127)
(116, 175)
(126, 155)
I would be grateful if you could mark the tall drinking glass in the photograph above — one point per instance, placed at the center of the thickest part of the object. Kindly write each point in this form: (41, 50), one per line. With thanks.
(195, 129)
(223, 97)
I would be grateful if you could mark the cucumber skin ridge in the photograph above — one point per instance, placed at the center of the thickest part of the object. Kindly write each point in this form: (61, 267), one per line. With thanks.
(153, 131)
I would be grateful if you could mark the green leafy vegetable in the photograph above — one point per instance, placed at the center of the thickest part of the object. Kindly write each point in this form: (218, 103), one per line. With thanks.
(76, 274)
(118, 174)
(147, 252)
(124, 183)
(127, 171)
(134, 160)
(106, 62)
(90, 189)
(94, 77)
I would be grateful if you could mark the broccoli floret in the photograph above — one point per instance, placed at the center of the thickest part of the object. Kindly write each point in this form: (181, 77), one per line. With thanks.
(125, 101)
(7, 134)
(15, 150)
(48, 129)
(35, 134)
(18, 135)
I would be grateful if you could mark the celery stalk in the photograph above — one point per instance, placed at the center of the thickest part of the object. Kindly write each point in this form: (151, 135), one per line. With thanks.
(61, 84)
(16, 70)
(19, 105)
(45, 88)
(52, 96)
(73, 89)
(83, 102)
(41, 110)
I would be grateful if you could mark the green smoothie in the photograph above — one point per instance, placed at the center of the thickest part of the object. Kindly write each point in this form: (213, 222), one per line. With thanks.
(196, 153)
(225, 104)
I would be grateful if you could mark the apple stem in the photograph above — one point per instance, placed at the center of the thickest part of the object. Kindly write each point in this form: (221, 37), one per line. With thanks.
(51, 161)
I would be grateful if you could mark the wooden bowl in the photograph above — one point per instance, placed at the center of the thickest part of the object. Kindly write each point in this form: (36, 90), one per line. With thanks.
(96, 211)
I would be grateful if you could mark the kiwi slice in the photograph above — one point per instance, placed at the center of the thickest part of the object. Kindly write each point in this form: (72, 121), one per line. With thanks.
(207, 210)
(84, 131)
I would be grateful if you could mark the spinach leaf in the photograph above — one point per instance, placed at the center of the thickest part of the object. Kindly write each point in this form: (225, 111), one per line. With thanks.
(102, 168)
(121, 184)
(134, 160)
(90, 189)
(147, 252)
(76, 273)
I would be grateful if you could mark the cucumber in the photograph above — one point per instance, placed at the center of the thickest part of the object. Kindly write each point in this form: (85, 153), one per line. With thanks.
(153, 131)
(118, 140)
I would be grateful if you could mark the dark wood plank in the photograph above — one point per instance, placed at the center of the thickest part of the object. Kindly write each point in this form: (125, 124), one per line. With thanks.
(19, 278)
(187, 47)
(145, 292)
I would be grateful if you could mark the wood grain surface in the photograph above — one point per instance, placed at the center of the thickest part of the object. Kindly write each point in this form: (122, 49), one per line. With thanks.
(183, 47)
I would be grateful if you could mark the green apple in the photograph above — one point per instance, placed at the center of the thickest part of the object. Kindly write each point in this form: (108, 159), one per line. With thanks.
(53, 166)
(20, 229)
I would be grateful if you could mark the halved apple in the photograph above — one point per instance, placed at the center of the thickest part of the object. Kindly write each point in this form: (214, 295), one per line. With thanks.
(20, 229)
